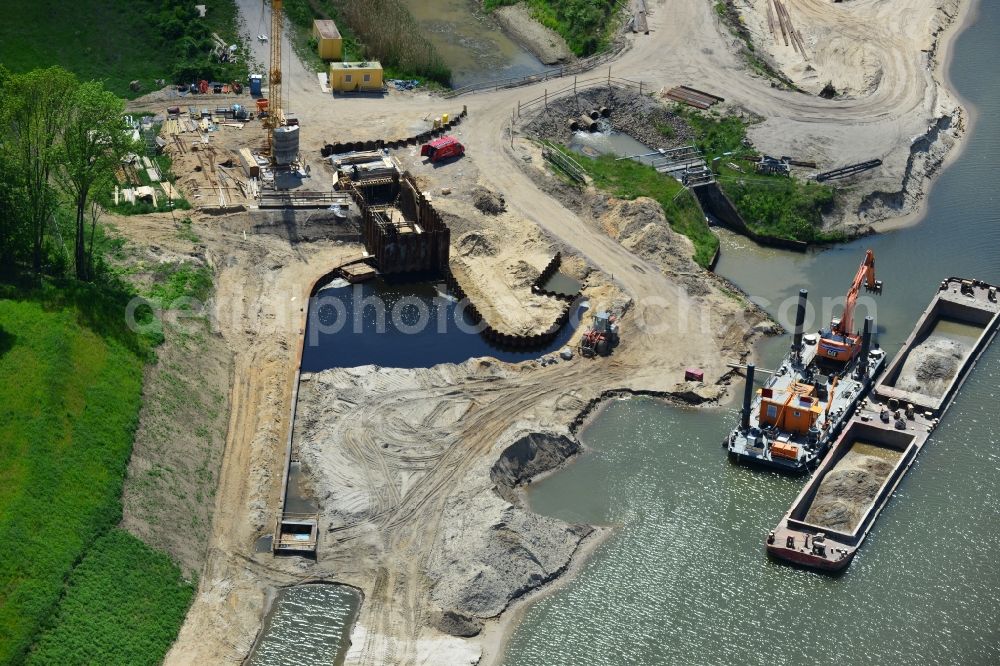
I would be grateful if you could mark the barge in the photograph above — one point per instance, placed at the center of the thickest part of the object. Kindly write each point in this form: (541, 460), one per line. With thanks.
(836, 510)
(791, 422)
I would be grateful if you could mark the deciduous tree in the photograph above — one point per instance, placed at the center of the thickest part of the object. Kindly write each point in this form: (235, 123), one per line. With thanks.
(93, 140)
(33, 110)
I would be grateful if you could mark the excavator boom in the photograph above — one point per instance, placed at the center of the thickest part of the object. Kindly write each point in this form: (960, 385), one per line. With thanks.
(865, 276)
(841, 344)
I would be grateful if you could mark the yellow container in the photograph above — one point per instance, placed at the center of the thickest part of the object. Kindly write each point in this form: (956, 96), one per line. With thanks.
(444, 119)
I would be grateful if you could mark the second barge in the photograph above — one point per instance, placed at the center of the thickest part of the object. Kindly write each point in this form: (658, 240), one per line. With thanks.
(833, 514)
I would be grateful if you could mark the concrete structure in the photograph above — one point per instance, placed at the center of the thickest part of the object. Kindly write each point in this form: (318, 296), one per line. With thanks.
(355, 76)
(329, 43)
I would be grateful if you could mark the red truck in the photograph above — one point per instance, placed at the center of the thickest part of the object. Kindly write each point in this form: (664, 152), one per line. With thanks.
(442, 149)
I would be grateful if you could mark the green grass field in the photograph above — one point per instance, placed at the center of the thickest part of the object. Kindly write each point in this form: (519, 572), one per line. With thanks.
(780, 206)
(629, 180)
(123, 605)
(70, 391)
(772, 205)
(111, 40)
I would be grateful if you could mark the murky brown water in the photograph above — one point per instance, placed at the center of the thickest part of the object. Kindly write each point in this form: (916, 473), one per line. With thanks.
(470, 42)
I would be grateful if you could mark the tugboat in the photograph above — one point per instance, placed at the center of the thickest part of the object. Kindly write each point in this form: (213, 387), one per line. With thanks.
(791, 422)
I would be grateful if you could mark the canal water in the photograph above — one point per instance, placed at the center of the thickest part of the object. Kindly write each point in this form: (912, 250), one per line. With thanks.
(308, 625)
(406, 325)
(685, 579)
(610, 142)
(471, 42)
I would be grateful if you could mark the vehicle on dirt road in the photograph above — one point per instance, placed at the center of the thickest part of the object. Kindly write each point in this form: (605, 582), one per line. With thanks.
(442, 149)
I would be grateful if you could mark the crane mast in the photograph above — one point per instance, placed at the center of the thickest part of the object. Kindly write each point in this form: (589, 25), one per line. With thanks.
(275, 114)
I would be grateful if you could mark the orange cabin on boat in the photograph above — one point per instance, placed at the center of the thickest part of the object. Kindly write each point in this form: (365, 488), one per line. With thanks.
(795, 410)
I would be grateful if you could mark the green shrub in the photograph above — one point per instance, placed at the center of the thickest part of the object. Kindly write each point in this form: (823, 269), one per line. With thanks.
(123, 605)
(586, 25)
(70, 387)
(781, 206)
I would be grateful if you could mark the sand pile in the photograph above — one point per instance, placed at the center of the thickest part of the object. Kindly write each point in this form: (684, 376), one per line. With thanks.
(847, 491)
(931, 366)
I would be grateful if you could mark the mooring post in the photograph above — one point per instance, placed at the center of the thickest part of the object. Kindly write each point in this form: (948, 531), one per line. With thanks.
(609, 76)
(574, 86)
(518, 108)
(546, 98)
(640, 88)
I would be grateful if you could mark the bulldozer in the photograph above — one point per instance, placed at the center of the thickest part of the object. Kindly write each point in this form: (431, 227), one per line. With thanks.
(601, 337)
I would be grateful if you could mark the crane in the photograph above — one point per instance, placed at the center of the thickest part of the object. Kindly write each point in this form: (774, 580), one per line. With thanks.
(275, 114)
(841, 344)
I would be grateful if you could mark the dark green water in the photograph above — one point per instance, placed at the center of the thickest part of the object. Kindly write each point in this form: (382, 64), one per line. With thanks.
(686, 581)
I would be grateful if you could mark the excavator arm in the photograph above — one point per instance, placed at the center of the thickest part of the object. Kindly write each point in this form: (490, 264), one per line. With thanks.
(865, 277)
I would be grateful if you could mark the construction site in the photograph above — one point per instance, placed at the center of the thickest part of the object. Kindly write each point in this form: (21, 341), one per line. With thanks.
(407, 484)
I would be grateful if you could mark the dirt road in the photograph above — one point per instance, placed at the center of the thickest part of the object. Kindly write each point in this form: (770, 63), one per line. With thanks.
(410, 445)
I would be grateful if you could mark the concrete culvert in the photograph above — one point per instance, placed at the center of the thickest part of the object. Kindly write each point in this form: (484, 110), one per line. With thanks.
(574, 125)
(605, 111)
(588, 123)
(595, 114)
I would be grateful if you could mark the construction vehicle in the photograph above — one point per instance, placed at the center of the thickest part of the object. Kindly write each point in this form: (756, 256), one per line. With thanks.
(839, 345)
(442, 149)
(602, 336)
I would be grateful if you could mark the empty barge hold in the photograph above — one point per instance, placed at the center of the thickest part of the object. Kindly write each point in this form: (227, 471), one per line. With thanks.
(799, 412)
(833, 514)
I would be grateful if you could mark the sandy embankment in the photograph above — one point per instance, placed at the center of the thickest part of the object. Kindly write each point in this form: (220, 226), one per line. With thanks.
(547, 45)
(862, 54)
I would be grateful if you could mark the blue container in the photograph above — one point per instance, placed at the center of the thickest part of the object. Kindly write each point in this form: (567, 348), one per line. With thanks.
(255, 84)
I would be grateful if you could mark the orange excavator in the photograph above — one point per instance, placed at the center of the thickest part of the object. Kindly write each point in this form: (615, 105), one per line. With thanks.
(841, 343)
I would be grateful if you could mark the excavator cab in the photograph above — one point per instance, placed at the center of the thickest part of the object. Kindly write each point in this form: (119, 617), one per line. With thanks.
(839, 346)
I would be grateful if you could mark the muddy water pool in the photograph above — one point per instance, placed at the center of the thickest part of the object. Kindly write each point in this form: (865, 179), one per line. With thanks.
(471, 42)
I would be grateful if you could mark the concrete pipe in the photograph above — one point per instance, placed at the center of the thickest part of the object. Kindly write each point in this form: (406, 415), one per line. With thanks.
(605, 111)
(574, 125)
(588, 123)
(595, 114)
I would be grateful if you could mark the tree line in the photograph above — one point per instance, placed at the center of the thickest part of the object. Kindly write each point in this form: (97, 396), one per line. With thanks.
(61, 141)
